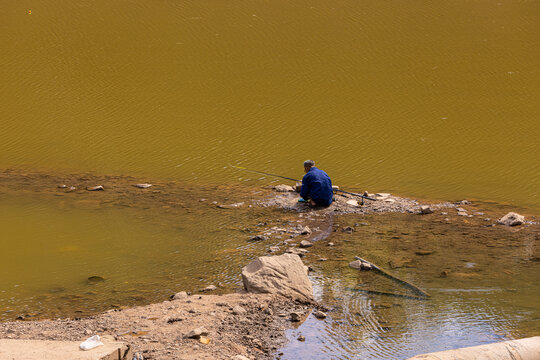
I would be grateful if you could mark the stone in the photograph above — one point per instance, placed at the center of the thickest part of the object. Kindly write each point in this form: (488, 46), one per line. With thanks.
(142, 186)
(330, 244)
(462, 213)
(425, 209)
(512, 219)
(295, 251)
(295, 317)
(461, 209)
(63, 186)
(258, 238)
(230, 206)
(423, 252)
(95, 279)
(390, 201)
(305, 231)
(173, 320)
(383, 195)
(319, 314)
(209, 288)
(360, 265)
(273, 249)
(285, 275)
(335, 188)
(238, 310)
(348, 230)
(180, 295)
(204, 340)
(352, 202)
(366, 266)
(305, 244)
(239, 357)
(302, 338)
(95, 188)
(322, 259)
(196, 333)
(283, 188)
(356, 264)
(257, 343)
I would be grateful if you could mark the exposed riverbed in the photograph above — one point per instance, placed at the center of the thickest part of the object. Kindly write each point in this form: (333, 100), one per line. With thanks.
(483, 277)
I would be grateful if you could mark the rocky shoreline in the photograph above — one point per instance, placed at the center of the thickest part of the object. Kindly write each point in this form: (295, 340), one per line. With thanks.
(235, 326)
(247, 325)
(231, 326)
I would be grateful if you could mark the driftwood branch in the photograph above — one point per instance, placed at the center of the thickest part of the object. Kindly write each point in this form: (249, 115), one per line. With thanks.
(376, 292)
(408, 285)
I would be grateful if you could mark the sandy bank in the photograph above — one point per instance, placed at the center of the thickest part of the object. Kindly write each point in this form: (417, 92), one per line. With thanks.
(237, 324)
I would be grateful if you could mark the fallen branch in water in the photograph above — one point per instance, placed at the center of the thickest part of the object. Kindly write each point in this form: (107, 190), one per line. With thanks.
(376, 292)
(408, 285)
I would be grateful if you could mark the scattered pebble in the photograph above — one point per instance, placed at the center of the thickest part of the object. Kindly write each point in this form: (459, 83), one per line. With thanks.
(143, 186)
(319, 314)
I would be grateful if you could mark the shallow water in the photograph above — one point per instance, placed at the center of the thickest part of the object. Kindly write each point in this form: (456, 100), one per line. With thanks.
(145, 248)
(437, 100)
(489, 291)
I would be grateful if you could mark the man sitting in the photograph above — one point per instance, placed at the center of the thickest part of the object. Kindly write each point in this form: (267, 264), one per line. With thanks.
(316, 186)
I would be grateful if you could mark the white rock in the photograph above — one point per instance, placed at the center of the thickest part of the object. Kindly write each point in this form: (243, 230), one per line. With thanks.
(143, 186)
(238, 310)
(319, 314)
(424, 209)
(305, 244)
(180, 295)
(352, 202)
(284, 275)
(512, 219)
(283, 188)
(383, 195)
(196, 333)
(306, 231)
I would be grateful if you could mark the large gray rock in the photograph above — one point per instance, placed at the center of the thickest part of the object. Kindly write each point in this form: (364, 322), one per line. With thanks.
(512, 219)
(285, 275)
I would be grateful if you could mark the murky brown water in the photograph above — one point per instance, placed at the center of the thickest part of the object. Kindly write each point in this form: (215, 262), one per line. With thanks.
(430, 100)
(434, 100)
(146, 244)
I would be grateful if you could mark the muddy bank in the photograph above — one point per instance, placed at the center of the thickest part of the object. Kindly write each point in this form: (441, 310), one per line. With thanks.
(250, 325)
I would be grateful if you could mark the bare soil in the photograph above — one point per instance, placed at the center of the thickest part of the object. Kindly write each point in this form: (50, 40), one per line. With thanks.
(250, 325)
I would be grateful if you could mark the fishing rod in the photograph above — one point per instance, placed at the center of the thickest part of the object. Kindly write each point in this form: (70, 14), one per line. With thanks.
(288, 178)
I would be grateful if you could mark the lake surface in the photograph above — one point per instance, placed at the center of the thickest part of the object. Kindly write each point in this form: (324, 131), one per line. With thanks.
(438, 100)
(430, 100)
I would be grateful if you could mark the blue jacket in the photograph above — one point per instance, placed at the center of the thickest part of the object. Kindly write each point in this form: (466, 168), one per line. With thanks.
(316, 185)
